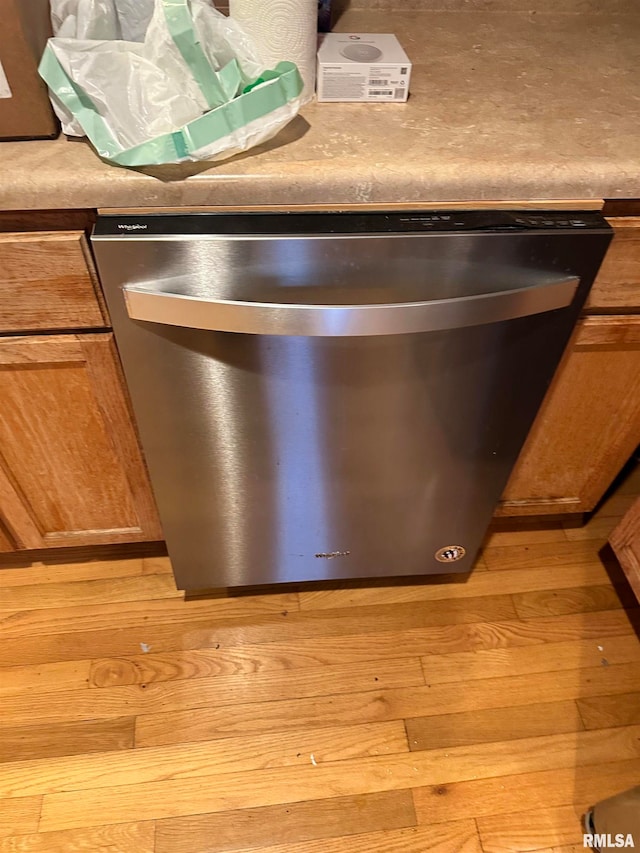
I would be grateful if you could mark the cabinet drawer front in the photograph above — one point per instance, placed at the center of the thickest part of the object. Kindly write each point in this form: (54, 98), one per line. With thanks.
(47, 282)
(617, 285)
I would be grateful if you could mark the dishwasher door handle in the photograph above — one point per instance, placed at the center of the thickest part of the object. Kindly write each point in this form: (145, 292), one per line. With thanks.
(269, 318)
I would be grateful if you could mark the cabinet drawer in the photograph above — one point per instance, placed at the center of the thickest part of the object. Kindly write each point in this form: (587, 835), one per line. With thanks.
(617, 286)
(47, 282)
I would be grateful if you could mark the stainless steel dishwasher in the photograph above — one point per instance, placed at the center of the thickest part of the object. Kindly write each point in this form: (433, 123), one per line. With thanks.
(338, 395)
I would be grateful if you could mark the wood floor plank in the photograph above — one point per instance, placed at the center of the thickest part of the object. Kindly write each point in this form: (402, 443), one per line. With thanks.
(239, 790)
(121, 838)
(66, 675)
(196, 663)
(551, 555)
(199, 628)
(453, 837)
(451, 587)
(203, 663)
(245, 660)
(286, 824)
(520, 660)
(533, 535)
(387, 704)
(479, 565)
(525, 831)
(20, 816)
(52, 573)
(596, 528)
(558, 602)
(386, 617)
(496, 724)
(211, 693)
(265, 639)
(156, 566)
(18, 743)
(616, 505)
(280, 749)
(103, 591)
(241, 620)
(606, 711)
(92, 618)
(506, 794)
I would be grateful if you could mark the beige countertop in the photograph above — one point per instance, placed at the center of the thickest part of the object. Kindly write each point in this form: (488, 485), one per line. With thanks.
(504, 105)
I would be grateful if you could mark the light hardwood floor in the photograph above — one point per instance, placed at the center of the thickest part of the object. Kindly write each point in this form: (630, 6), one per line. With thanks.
(386, 717)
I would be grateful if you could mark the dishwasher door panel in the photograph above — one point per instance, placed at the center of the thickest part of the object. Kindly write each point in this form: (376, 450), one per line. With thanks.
(278, 458)
(317, 458)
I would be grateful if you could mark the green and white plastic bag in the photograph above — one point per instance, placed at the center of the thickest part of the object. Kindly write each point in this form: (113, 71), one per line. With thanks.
(163, 81)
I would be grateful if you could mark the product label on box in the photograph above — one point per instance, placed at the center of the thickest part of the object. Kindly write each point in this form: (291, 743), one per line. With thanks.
(5, 91)
(369, 84)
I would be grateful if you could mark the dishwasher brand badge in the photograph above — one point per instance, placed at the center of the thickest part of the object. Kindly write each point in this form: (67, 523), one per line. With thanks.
(136, 226)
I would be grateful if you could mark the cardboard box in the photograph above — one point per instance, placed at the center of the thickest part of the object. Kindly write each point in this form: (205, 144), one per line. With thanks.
(25, 110)
(370, 67)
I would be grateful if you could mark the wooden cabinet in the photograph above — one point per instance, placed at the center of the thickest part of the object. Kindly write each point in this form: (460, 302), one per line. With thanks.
(71, 472)
(589, 423)
(625, 541)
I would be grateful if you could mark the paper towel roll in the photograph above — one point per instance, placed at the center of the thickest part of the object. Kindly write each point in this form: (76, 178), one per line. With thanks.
(282, 30)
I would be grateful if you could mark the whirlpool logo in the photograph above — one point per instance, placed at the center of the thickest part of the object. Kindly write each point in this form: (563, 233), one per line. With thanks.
(603, 841)
(137, 226)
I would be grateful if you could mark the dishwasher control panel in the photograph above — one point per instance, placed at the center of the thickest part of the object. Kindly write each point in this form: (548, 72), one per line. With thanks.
(355, 223)
(500, 220)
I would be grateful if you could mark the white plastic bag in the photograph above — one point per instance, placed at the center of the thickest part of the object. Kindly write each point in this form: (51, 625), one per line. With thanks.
(101, 19)
(162, 81)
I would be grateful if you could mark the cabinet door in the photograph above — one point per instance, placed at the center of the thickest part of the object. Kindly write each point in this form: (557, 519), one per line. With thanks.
(625, 541)
(71, 471)
(588, 426)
